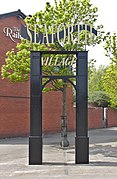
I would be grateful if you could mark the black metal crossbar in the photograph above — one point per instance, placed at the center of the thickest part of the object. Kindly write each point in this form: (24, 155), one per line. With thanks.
(58, 77)
(56, 52)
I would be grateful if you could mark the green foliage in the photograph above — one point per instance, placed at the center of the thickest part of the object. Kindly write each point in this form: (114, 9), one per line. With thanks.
(109, 79)
(94, 80)
(97, 94)
(17, 67)
(103, 81)
(91, 68)
(100, 98)
(110, 46)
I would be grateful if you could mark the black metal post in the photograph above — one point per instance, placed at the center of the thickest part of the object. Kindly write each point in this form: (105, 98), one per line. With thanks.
(35, 138)
(81, 140)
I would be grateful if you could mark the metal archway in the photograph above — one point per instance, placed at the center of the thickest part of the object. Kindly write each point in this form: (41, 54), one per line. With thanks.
(81, 139)
(66, 80)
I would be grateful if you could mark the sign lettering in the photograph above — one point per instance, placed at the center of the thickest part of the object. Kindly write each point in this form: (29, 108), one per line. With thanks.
(12, 33)
(66, 34)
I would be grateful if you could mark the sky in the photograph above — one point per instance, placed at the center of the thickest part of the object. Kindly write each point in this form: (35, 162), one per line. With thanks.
(107, 14)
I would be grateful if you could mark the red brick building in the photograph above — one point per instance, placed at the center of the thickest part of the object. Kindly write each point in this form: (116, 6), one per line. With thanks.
(15, 97)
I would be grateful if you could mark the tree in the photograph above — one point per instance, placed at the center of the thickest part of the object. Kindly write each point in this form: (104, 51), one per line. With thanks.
(91, 68)
(99, 98)
(95, 83)
(65, 12)
(97, 94)
(110, 84)
(110, 46)
(109, 79)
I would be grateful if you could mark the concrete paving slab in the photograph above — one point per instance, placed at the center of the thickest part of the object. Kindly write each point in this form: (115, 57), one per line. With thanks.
(60, 163)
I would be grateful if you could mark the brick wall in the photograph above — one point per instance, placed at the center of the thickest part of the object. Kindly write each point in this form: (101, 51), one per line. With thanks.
(111, 117)
(95, 117)
(52, 111)
(14, 116)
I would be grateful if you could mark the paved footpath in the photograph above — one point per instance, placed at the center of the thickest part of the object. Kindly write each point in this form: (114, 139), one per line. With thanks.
(59, 163)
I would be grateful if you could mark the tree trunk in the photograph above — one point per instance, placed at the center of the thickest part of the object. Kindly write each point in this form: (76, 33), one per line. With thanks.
(64, 142)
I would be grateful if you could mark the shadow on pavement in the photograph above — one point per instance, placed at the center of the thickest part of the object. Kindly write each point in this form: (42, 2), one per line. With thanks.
(113, 164)
(106, 151)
